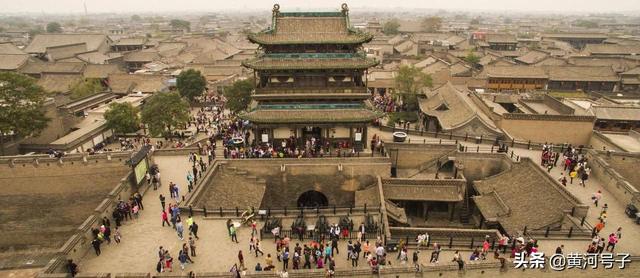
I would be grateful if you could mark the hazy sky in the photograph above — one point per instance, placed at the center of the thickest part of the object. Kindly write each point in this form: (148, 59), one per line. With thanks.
(76, 6)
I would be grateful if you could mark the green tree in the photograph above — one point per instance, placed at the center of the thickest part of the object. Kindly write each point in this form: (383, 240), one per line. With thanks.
(391, 27)
(135, 18)
(85, 88)
(475, 21)
(165, 111)
(54, 27)
(472, 59)
(431, 24)
(122, 118)
(238, 95)
(191, 84)
(180, 24)
(586, 23)
(35, 30)
(409, 82)
(21, 106)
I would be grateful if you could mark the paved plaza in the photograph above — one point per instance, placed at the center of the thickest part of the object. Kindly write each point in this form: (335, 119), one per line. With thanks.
(215, 251)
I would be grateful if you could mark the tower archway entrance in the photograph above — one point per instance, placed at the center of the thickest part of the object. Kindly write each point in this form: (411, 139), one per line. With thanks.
(312, 199)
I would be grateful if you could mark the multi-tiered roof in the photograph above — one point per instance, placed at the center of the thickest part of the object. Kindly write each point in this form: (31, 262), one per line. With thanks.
(310, 43)
(310, 28)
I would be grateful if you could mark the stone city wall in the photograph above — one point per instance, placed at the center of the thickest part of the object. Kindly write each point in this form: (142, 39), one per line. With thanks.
(611, 180)
(412, 156)
(600, 142)
(559, 129)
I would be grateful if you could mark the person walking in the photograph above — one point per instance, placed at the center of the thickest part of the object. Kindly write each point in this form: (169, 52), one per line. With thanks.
(613, 240)
(194, 229)
(162, 201)
(285, 259)
(182, 258)
(241, 260)
(232, 232)
(165, 218)
(72, 268)
(192, 246)
(96, 245)
(600, 245)
(596, 197)
(354, 258)
(179, 228)
(137, 197)
(117, 236)
(258, 248)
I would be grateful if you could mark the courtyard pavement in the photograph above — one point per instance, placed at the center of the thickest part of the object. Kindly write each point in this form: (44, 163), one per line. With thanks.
(215, 251)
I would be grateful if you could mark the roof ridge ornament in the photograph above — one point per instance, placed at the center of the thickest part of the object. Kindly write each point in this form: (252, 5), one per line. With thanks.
(345, 9)
(276, 9)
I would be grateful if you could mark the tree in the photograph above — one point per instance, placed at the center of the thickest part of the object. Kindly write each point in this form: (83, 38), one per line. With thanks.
(85, 88)
(21, 106)
(54, 27)
(191, 84)
(238, 95)
(122, 118)
(409, 82)
(475, 21)
(508, 20)
(472, 59)
(180, 24)
(135, 18)
(586, 24)
(35, 30)
(431, 24)
(165, 111)
(391, 27)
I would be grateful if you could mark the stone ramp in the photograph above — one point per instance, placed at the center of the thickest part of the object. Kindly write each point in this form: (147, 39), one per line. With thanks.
(230, 188)
(18, 260)
(396, 213)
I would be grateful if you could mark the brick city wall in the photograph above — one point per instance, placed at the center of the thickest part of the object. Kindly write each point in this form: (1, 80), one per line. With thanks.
(411, 156)
(548, 128)
(623, 188)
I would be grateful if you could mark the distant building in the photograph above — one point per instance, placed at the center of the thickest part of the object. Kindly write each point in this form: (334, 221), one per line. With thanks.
(577, 40)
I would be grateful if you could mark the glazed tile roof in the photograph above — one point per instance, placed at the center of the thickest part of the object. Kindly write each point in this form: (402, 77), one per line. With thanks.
(452, 108)
(513, 198)
(573, 73)
(59, 83)
(101, 71)
(515, 72)
(442, 193)
(274, 63)
(310, 28)
(612, 49)
(13, 61)
(52, 67)
(9, 48)
(310, 115)
(40, 42)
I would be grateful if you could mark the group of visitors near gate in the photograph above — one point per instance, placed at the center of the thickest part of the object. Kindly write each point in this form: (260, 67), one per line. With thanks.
(316, 254)
(573, 161)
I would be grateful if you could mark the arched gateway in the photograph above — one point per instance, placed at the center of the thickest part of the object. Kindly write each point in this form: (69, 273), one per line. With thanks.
(313, 199)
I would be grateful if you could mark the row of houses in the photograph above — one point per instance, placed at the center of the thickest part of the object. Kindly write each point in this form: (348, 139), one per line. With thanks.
(128, 69)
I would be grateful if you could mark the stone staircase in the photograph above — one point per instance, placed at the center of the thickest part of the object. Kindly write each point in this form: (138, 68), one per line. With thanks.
(431, 164)
(232, 187)
(396, 213)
